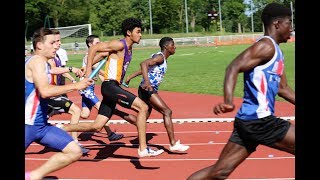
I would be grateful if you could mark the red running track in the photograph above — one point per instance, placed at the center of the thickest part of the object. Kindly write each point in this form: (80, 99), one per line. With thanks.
(119, 160)
(183, 105)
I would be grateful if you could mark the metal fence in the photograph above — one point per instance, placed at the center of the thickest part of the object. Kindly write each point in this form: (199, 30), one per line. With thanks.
(204, 41)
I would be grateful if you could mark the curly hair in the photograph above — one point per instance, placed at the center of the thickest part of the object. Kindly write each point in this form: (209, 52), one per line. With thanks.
(130, 24)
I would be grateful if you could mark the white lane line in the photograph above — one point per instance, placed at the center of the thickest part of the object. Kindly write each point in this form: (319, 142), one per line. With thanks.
(159, 132)
(188, 120)
(151, 159)
(226, 179)
(123, 144)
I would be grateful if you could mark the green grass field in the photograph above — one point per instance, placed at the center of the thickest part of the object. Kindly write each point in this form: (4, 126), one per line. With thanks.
(198, 70)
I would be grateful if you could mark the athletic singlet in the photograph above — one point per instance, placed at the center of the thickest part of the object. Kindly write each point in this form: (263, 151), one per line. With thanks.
(84, 64)
(35, 106)
(84, 60)
(57, 77)
(156, 73)
(261, 85)
(115, 69)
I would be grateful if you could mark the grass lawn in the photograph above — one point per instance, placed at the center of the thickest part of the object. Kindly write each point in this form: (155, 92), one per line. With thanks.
(198, 69)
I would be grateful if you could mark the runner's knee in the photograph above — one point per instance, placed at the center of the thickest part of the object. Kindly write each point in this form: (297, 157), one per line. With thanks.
(143, 107)
(222, 173)
(97, 127)
(73, 151)
(76, 154)
(167, 112)
(74, 110)
(85, 114)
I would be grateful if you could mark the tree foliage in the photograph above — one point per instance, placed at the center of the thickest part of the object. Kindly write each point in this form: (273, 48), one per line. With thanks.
(168, 16)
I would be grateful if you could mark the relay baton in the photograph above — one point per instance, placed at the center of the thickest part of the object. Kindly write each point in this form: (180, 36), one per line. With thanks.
(96, 70)
(93, 73)
(125, 84)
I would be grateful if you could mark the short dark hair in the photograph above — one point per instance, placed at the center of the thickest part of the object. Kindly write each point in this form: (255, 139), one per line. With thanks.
(55, 31)
(130, 24)
(90, 39)
(273, 11)
(39, 35)
(164, 41)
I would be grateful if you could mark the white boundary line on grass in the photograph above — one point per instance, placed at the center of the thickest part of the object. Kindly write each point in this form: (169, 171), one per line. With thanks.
(188, 120)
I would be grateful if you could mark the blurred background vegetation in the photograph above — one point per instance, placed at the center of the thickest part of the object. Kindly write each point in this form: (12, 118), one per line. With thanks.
(194, 17)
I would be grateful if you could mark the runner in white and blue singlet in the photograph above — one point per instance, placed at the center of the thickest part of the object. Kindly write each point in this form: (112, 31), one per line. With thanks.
(156, 73)
(262, 65)
(153, 71)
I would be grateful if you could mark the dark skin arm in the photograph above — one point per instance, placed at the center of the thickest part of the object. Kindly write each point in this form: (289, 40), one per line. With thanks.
(285, 91)
(257, 54)
(156, 59)
(133, 75)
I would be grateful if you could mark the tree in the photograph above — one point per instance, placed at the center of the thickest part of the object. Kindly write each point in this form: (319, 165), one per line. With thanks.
(258, 7)
(198, 13)
(142, 12)
(165, 16)
(108, 15)
(35, 11)
(233, 13)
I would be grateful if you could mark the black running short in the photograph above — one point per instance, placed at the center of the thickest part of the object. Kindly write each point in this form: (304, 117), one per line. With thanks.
(144, 94)
(59, 104)
(266, 131)
(112, 94)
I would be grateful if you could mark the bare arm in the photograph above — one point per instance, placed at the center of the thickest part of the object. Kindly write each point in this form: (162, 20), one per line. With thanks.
(67, 75)
(111, 47)
(39, 77)
(133, 75)
(156, 59)
(257, 54)
(285, 90)
(100, 72)
(98, 57)
(64, 70)
(59, 70)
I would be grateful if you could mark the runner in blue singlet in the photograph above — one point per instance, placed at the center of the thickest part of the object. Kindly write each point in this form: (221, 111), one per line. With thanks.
(38, 89)
(262, 65)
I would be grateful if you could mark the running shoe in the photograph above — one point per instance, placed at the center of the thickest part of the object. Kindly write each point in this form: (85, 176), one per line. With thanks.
(83, 149)
(178, 147)
(114, 137)
(149, 152)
